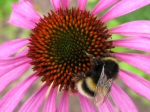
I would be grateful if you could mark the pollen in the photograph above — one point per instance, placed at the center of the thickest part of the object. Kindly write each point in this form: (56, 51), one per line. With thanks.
(58, 44)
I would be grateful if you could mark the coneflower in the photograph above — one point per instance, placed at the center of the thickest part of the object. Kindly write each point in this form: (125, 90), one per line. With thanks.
(56, 50)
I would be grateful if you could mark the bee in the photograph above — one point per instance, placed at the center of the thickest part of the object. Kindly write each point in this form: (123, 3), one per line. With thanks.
(98, 80)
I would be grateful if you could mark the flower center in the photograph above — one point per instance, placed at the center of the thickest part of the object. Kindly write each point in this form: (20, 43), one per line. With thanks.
(59, 41)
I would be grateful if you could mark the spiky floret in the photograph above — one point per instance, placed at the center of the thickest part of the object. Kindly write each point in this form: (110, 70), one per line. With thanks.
(58, 43)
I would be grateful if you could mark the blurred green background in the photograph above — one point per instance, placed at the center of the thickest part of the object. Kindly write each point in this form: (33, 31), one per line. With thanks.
(8, 32)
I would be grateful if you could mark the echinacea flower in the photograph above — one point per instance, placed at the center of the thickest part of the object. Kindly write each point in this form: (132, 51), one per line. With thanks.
(55, 50)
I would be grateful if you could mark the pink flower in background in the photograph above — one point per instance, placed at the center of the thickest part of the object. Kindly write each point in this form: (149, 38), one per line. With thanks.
(55, 51)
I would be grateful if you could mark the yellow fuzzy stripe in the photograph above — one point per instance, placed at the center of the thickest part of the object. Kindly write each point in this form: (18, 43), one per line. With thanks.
(90, 83)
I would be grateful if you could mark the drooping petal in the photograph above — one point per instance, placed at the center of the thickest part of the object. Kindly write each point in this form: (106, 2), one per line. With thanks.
(122, 100)
(137, 43)
(55, 4)
(106, 107)
(8, 67)
(34, 103)
(65, 3)
(10, 47)
(138, 84)
(82, 4)
(63, 105)
(123, 7)
(12, 75)
(51, 101)
(13, 97)
(133, 28)
(11, 63)
(102, 5)
(86, 104)
(140, 61)
(26, 10)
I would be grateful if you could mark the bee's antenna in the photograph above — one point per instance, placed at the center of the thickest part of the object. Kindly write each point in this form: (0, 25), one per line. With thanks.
(91, 58)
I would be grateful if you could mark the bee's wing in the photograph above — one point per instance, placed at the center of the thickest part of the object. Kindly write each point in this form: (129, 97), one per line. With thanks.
(102, 88)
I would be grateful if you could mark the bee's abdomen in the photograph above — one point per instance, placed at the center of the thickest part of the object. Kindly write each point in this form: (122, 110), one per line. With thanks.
(86, 87)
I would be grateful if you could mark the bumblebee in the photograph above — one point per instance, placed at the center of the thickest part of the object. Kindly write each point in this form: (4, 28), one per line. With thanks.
(98, 80)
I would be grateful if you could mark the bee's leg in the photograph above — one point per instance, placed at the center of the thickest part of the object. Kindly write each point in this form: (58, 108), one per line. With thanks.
(78, 77)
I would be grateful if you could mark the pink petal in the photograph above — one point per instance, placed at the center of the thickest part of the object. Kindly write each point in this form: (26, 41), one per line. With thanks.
(9, 102)
(102, 5)
(51, 101)
(138, 43)
(18, 20)
(134, 28)
(26, 10)
(12, 75)
(123, 7)
(82, 4)
(55, 4)
(8, 67)
(12, 60)
(10, 47)
(65, 3)
(11, 63)
(140, 61)
(34, 103)
(24, 52)
(86, 104)
(106, 107)
(138, 84)
(63, 104)
(122, 100)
